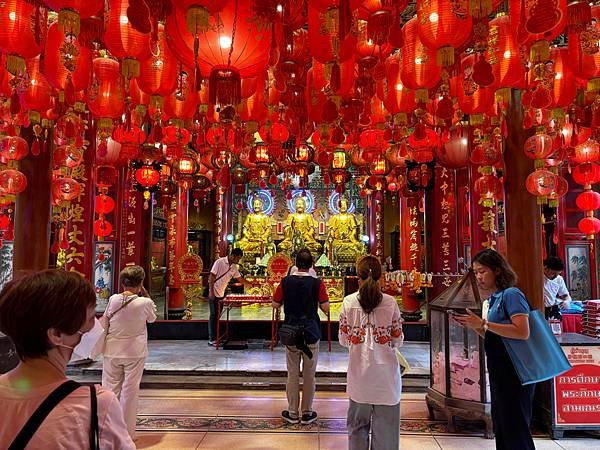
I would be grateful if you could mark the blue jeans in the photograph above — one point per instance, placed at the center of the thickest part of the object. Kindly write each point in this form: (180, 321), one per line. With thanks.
(213, 309)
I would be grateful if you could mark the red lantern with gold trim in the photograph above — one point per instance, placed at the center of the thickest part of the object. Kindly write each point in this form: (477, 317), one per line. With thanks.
(12, 181)
(443, 25)
(503, 54)
(563, 87)
(22, 33)
(65, 189)
(586, 152)
(489, 189)
(419, 67)
(123, 41)
(158, 73)
(586, 174)
(36, 98)
(589, 225)
(105, 97)
(13, 148)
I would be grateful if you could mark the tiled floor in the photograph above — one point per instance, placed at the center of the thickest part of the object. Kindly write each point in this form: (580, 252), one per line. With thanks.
(236, 420)
(197, 356)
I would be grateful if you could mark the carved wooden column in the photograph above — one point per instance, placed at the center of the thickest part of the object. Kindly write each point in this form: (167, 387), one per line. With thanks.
(522, 213)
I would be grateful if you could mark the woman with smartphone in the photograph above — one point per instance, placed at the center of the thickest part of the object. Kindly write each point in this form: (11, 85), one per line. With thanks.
(507, 317)
(127, 341)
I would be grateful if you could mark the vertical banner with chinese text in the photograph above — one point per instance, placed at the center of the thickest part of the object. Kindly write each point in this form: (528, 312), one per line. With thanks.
(410, 244)
(132, 229)
(443, 229)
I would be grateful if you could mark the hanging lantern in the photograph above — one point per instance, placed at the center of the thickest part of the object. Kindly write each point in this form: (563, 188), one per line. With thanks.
(419, 67)
(158, 73)
(503, 54)
(22, 33)
(13, 148)
(131, 140)
(538, 146)
(589, 226)
(105, 97)
(443, 25)
(587, 152)
(67, 64)
(123, 41)
(67, 155)
(472, 98)
(184, 103)
(65, 190)
(379, 166)
(326, 42)
(541, 183)
(36, 96)
(586, 174)
(559, 191)
(70, 13)
(489, 189)
(563, 88)
(588, 200)
(397, 154)
(104, 204)
(454, 154)
(368, 50)
(302, 153)
(106, 176)
(12, 181)
(421, 143)
(147, 176)
(102, 228)
(486, 154)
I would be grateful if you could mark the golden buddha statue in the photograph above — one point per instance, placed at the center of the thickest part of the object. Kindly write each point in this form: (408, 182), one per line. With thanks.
(343, 235)
(256, 236)
(299, 231)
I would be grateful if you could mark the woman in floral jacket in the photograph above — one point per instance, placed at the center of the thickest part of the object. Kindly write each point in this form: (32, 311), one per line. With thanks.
(370, 327)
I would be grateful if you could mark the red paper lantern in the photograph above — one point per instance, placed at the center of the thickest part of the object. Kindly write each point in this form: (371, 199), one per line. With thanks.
(324, 35)
(130, 139)
(104, 204)
(106, 176)
(105, 94)
(36, 97)
(147, 176)
(589, 225)
(65, 189)
(419, 67)
(368, 51)
(538, 146)
(541, 183)
(486, 154)
(443, 25)
(489, 189)
(503, 54)
(586, 174)
(22, 33)
(13, 148)
(4, 222)
(158, 73)
(396, 98)
(584, 54)
(67, 155)
(421, 143)
(454, 154)
(63, 69)
(586, 152)
(588, 200)
(472, 99)
(563, 87)
(83, 8)
(123, 41)
(12, 181)
(102, 227)
(184, 103)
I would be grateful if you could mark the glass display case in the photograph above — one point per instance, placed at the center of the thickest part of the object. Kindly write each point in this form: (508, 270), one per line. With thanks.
(459, 379)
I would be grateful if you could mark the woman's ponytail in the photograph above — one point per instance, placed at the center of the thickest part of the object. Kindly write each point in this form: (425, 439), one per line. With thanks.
(369, 293)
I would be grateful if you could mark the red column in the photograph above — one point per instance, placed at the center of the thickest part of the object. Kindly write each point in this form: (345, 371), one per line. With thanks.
(177, 229)
(223, 221)
(410, 246)
(478, 235)
(443, 228)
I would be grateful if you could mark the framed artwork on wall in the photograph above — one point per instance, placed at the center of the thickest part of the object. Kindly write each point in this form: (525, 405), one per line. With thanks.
(577, 271)
(104, 264)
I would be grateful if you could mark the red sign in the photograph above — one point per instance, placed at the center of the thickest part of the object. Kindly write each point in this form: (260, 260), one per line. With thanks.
(577, 391)
(278, 265)
(189, 267)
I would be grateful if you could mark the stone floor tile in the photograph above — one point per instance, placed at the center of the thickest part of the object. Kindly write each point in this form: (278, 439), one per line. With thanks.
(160, 440)
(464, 443)
(579, 443)
(259, 441)
(418, 442)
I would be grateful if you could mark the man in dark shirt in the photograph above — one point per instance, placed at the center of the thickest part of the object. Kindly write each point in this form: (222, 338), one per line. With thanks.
(302, 295)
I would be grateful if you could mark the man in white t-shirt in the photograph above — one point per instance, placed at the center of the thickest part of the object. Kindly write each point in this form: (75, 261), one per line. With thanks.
(223, 270)
(556, 294)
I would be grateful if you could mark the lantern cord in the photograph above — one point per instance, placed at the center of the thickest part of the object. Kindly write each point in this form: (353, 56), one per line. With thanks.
(233, 30)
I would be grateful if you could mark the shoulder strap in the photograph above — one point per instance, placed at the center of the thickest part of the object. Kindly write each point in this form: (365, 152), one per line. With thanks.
(94, 432)
(40, 414)
(125, 303)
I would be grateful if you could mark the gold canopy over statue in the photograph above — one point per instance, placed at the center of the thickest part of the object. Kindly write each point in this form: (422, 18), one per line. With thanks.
(343, 236)
(299, 231)
(256, 236)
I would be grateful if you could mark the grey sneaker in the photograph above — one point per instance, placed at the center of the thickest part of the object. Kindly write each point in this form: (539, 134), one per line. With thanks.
(308, 418)
(212, 343)
(285, 415)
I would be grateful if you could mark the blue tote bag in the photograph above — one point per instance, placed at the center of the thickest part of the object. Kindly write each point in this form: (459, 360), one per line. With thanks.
(539, 357)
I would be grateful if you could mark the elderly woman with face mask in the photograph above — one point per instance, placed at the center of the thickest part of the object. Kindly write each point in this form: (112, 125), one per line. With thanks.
(45, 314)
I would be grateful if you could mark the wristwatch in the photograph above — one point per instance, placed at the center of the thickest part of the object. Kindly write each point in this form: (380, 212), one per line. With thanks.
(484, 325)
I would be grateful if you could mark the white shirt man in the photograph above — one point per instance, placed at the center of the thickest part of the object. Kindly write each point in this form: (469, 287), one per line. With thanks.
(556, 294)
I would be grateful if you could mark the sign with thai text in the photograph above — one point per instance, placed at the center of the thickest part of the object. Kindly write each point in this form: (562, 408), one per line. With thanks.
(577, 391)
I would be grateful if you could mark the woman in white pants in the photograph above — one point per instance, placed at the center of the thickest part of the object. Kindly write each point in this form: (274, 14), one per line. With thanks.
(127, 341)
(370, 327)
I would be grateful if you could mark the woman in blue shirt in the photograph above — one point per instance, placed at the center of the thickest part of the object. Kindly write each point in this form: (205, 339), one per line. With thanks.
(507, 317)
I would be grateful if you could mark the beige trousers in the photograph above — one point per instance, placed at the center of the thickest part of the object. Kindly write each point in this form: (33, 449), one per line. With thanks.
(293, 358)
(123, 377)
